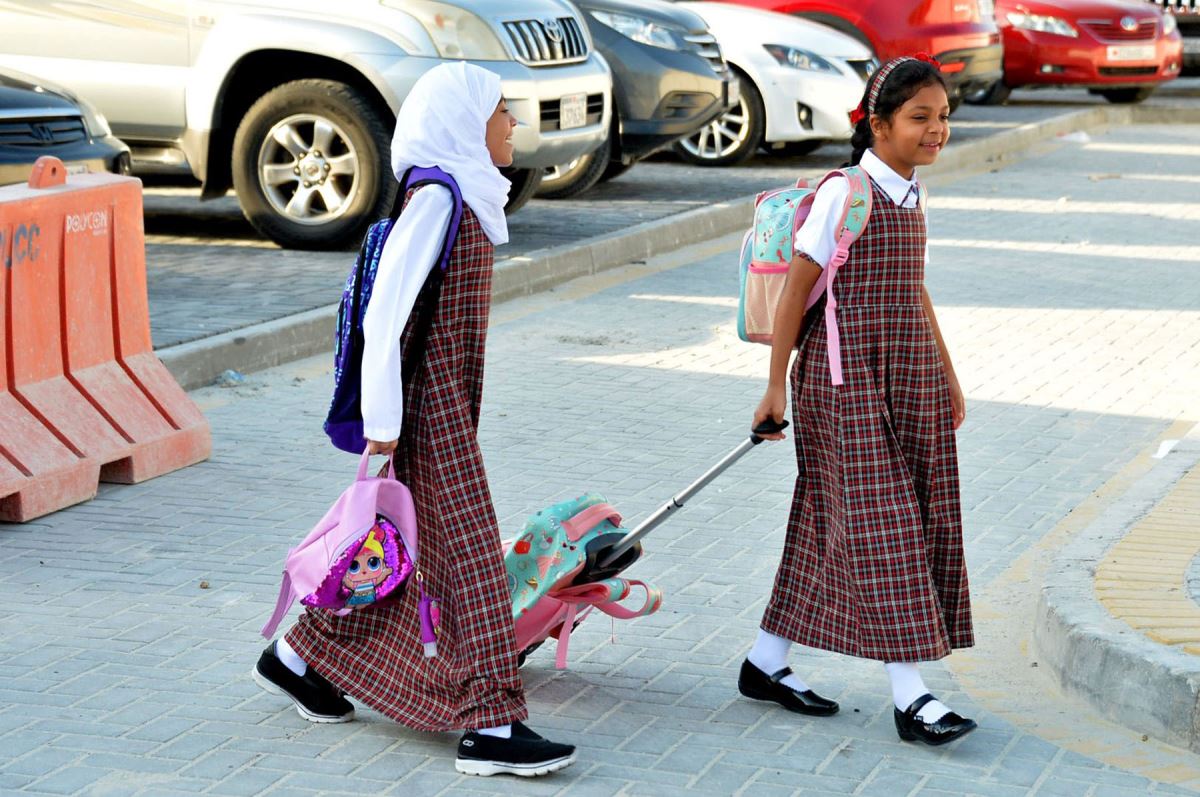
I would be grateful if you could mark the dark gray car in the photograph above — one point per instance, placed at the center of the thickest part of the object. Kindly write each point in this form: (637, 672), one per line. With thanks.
(37, 118)
(669, 80)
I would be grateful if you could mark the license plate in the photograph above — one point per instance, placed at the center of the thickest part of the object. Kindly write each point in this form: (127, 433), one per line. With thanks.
(77, 168)
(1131, 52)
(572, 111)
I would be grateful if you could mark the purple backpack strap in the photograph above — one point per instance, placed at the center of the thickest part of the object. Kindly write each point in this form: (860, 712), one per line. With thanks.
(414, 177)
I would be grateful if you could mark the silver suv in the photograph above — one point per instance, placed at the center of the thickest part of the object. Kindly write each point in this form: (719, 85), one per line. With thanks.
(292, 102)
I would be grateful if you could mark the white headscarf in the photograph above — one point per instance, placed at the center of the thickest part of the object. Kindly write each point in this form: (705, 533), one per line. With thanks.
(443, 123)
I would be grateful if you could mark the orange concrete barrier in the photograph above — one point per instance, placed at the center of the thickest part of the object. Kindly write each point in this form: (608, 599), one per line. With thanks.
(71, 246)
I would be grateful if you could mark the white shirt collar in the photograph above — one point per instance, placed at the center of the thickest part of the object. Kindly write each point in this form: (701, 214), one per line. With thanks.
(903, 192)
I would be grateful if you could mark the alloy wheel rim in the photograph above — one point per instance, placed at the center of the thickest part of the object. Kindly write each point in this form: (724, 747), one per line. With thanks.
(721, 137)
(308, 169)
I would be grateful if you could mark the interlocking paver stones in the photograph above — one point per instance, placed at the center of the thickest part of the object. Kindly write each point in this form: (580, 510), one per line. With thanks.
(630, 391)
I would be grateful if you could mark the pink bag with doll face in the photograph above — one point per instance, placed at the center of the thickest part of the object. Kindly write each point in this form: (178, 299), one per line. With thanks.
(363, 551)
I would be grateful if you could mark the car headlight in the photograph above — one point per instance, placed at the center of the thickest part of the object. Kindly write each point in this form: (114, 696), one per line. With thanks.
(640, 29)
(1169, 23)
(1041, 23)
(800, 59)
(456, 32)
(96, 124)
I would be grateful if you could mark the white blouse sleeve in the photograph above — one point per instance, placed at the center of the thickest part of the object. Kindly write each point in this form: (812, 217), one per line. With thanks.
(817, 238)
(409, 254)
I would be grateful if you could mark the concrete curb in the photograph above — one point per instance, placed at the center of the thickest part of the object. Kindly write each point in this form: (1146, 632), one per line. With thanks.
(1138, 683)
(253, 348)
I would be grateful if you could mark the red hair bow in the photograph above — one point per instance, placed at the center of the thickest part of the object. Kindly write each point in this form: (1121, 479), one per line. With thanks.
(857, 115)
(929, 59)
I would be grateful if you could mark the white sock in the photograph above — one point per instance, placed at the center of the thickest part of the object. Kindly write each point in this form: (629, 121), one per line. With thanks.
(289, 657)
(501, 731)
(770, 653)
(907, 686)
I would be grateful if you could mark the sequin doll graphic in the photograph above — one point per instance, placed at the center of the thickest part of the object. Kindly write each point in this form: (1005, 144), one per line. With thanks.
(366, 571)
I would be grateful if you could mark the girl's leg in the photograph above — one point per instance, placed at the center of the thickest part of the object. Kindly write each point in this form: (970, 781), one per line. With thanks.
(907, 686)
(290, 658)
(770, 653)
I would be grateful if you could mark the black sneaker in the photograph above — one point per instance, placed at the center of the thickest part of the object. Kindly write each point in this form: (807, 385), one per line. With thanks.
(316, 699)
(525, 754)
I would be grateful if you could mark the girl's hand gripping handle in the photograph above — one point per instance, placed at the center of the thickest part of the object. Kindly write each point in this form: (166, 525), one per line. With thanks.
(768, 421)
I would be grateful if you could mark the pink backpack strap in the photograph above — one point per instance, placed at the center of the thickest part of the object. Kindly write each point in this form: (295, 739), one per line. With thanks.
(855, 212)
(282, 604)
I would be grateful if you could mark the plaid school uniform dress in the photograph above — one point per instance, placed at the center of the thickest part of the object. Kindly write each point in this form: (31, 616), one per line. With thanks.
(873, 560)
(375, 654)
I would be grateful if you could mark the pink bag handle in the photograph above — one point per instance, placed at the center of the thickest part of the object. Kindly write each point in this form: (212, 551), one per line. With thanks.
(365, 461)
(579, 524)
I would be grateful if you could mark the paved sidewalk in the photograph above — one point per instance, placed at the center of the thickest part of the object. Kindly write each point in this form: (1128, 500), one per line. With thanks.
(132, 620)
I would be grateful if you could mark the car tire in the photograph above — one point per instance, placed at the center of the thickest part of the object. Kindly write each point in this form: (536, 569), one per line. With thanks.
(719, 144)
(995, 94)
(323, 129)
(1126, 96)
(525, 184)
(615, 169)
(578, 176)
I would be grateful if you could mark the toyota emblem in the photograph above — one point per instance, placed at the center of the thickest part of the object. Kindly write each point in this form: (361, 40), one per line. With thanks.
(1129, 24)
(553, 30)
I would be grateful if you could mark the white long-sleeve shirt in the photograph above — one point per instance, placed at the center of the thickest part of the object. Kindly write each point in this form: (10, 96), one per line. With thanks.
(818, 236)
(409, 254)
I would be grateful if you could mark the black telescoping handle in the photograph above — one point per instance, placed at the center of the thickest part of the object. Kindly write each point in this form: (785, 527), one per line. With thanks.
(769, 426)
(631, 539)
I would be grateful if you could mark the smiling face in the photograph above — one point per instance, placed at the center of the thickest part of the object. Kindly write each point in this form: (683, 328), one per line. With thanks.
(500, 128)
(916, 133)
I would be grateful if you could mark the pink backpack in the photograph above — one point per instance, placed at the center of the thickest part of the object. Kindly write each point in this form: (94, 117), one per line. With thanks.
(362, 552)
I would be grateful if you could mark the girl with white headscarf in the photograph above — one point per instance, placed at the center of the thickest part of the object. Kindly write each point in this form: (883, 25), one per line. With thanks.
(456, 119)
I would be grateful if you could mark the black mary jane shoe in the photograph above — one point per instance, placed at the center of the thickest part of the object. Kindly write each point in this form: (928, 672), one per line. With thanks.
(946, 729)
(757, 685)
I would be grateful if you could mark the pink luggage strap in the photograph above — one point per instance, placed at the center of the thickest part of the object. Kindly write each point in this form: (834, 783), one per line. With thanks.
(604, 596)
(583, 522)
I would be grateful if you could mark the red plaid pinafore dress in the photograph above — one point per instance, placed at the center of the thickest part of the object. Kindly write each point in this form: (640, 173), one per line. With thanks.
(375, 655)
(873, 560)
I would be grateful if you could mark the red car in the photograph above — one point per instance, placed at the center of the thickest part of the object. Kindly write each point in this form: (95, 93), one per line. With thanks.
(1120, 49)
(961, 33)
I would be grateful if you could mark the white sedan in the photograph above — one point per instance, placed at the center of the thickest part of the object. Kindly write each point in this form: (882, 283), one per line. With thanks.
(799, 82)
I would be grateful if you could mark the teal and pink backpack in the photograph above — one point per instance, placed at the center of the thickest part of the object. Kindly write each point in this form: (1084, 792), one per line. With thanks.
(767, 252)
(554, 579)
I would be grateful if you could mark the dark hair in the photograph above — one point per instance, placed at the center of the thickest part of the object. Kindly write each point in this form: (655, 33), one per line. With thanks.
(899, 86)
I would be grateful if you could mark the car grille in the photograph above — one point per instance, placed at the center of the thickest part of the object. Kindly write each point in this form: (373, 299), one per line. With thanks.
(551, 112)
(547, 41)
(1111, 30)
(863, 67)
(41, 132)
(1179, 6)
(705, 46)
(1128, 71)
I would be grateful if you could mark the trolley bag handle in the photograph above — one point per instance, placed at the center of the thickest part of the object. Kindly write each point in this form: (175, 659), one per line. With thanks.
(769, 426)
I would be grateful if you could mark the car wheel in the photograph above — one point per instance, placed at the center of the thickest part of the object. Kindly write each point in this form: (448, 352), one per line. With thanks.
(572, 179)
(525, 183)
(615, 169)
(309, 164)
(732, 137)
(995, 94)
(1126, 96)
